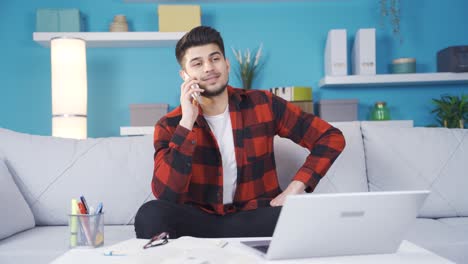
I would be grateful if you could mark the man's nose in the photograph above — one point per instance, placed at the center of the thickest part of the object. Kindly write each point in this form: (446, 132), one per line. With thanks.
(208, 66)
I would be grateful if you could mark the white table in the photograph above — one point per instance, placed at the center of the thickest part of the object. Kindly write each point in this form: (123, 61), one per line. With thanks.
(208, 251)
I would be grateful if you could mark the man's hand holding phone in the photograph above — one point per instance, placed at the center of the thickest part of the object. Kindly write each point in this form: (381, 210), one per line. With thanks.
(189, 91)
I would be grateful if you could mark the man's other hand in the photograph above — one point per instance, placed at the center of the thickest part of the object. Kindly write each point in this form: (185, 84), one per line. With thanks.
(295, 187)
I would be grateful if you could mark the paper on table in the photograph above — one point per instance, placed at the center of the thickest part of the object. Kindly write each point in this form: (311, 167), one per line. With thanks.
(182, 250)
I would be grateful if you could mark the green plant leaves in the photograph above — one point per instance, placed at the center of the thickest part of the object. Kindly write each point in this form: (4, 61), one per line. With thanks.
(248, 65)
(451, 111)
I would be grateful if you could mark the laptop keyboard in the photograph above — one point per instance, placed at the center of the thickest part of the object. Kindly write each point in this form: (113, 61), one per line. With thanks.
(263, 249)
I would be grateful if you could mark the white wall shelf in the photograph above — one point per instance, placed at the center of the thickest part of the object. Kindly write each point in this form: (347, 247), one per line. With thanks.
(136, 130)
(114, 39)
(394, 79)
(211, 1)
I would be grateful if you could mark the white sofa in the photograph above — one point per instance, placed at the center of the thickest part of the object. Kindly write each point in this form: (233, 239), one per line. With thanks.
(40, 175)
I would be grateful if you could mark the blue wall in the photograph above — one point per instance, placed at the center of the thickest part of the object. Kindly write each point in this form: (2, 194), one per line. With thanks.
(293, 35)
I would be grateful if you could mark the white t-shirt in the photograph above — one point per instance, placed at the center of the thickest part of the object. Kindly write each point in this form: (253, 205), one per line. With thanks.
(222, 129)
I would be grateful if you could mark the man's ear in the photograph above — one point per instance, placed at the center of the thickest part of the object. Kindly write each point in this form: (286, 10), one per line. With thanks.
(228, 64)
(182, 74)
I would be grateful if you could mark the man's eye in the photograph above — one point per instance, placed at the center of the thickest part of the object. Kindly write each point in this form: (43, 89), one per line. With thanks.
(196, 64)
(216, 59)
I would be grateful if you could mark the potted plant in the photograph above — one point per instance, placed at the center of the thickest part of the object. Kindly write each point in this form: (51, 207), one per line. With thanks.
(249, 66)
(391, 9)
(451, 111)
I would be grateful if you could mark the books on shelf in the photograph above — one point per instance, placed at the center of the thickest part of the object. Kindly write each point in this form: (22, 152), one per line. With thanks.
(297, 95)
(293, 93)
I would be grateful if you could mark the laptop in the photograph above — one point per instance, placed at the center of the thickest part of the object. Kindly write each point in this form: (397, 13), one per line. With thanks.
(339, 224)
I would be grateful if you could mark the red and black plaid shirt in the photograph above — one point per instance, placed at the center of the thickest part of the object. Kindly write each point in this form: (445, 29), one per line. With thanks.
(188, 167)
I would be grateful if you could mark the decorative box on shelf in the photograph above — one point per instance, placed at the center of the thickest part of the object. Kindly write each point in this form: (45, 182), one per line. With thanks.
(338, 110)
(59, 20)
(363, 52)
(146, 114)
(336, 54)
(306, 106)
(453, 59)
(178, 18)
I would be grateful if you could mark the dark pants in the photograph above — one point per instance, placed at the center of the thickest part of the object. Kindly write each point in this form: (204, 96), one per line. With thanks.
(179, 220)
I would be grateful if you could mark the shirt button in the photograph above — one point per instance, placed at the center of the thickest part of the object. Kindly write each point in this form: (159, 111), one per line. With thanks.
(194, 142)
(188, 164)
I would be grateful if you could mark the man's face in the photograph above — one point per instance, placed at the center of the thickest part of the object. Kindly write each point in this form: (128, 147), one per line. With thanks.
(207, 64)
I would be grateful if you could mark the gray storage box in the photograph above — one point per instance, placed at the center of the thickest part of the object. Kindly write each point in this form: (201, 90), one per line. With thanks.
(338, 110)
(146, 114)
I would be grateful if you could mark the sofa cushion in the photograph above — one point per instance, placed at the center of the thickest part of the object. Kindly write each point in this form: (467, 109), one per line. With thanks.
(348, 172)
(16, 214)
(446, 240)
(44, 244)
(51, 171)
(460, 223)
(420, 158)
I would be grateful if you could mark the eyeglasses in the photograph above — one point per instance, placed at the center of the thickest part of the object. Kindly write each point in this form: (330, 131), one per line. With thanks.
(158, 240)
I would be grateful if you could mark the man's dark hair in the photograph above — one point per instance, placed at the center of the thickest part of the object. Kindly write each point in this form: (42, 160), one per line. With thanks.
(198, 36)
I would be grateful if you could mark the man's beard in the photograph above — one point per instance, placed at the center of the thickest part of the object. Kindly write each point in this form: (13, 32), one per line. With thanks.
(210, 94)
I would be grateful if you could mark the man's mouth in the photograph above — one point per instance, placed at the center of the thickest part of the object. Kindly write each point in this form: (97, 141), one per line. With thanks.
(211, 78)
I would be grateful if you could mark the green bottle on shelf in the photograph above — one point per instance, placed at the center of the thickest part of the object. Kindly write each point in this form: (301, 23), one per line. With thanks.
(380, 112)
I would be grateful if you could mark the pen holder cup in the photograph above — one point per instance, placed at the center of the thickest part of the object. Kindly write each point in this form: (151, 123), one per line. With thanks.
(86, 230)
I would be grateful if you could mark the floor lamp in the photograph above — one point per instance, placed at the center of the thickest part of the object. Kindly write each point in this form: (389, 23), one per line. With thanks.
(69, 88)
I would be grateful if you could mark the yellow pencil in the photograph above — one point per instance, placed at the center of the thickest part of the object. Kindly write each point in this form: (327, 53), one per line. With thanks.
(74, 223)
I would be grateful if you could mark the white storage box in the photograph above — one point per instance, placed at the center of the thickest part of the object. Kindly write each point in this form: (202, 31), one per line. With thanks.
(363, 53)
(147, 114)
(336, 54)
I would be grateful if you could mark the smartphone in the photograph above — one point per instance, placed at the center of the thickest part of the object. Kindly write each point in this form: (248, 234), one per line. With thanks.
(195, 95)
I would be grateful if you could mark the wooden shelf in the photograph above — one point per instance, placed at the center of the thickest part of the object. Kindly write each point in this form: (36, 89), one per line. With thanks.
(114, 39)
(394, 79)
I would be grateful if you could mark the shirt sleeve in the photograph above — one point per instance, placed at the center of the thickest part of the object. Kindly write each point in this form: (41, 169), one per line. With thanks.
(172, 162)
(324, 141)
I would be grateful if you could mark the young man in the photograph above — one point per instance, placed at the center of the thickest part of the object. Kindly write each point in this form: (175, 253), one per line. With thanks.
(214, 169)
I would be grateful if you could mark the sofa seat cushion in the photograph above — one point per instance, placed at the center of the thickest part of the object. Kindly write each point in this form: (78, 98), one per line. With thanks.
(460, 223)
(348, 172)
(16, 214)
(51, 171)
(433, 159)
(44, 244)
(447, 237)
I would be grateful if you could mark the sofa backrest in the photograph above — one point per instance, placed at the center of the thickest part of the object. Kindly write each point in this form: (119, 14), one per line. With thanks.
(348, 172)
(117, 171)
(51, 171)
(434, 159)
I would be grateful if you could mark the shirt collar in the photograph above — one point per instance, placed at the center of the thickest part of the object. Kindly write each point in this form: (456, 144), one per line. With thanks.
(235, 96)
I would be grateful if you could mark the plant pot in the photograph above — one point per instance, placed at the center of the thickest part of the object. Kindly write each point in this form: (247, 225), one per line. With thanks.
(454, 124)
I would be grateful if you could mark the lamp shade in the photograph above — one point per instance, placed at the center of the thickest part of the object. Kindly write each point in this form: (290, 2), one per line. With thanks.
(69, 88)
